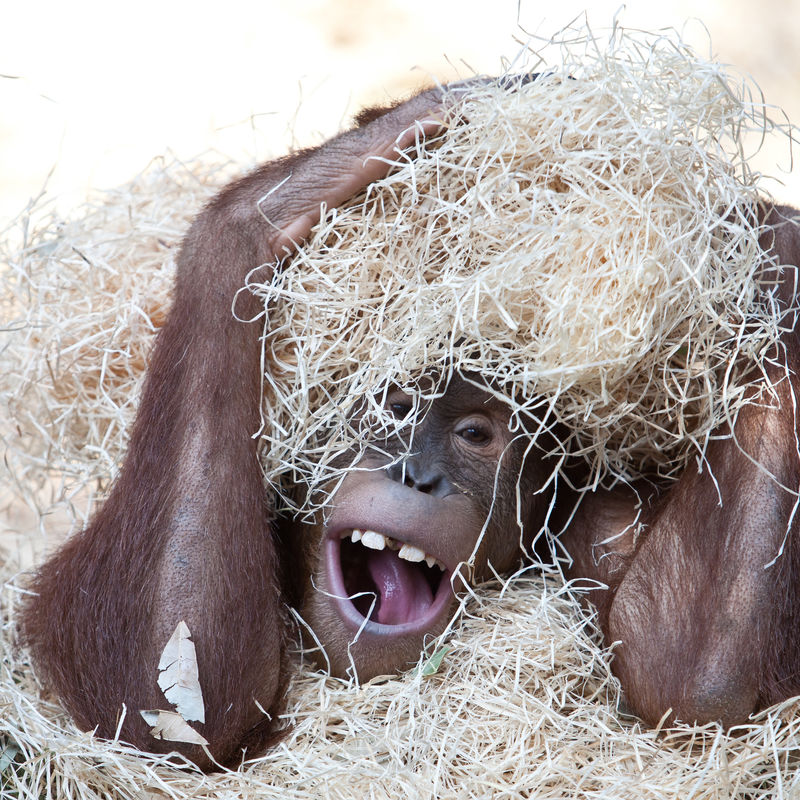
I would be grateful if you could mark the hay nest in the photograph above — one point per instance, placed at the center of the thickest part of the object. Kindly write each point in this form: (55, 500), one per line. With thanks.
(587, 241)
(522, 702)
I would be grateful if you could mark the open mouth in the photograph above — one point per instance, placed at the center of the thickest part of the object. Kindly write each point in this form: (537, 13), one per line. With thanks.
(393, 584)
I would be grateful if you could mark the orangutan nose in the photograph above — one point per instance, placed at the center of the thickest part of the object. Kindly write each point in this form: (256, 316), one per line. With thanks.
(427, 478)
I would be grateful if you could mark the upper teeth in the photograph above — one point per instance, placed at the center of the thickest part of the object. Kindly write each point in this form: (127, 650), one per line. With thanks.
(377, 541)
(411, 553)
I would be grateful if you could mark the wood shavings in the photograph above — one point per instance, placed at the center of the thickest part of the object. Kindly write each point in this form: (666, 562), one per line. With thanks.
(523, 705)
(587, 241)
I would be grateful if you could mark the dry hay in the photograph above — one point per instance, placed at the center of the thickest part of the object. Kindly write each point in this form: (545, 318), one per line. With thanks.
(84, 298)
(522, 703)
(586, 241)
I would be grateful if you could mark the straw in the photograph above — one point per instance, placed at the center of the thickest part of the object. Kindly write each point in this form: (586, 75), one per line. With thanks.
(588, 242)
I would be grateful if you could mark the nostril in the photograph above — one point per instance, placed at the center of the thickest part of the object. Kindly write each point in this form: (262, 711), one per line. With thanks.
(422, 477)
(424, 486)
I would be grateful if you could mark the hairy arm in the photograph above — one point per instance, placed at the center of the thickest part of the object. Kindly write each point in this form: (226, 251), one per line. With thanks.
(703, 604)
(186, 531)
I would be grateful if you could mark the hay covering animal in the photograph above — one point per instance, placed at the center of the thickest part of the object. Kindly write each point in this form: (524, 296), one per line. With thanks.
(187, 533)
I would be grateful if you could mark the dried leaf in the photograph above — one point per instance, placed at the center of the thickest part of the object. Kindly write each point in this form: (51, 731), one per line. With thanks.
(171, 727)
(178, 676)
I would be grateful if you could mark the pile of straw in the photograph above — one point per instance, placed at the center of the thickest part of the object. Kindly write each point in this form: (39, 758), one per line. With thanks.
(85, 297)
(585, 239)
(522, 705)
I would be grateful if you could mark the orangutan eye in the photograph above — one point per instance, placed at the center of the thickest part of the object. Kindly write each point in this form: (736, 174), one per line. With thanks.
(400, 410)
(475, 434)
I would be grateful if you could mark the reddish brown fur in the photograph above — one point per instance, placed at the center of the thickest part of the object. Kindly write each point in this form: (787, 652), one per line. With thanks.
(100, 619)
(705, 630)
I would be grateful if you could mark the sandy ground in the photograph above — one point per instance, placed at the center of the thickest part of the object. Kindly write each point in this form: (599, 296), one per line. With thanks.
(90, 92)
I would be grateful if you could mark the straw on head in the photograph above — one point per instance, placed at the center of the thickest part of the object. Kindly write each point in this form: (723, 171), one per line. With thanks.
(587, 241)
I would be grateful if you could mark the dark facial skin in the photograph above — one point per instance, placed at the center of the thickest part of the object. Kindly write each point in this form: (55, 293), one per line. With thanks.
(459, 481)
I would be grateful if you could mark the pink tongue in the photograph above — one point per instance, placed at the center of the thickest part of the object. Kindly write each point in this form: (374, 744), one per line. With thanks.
(404, 593)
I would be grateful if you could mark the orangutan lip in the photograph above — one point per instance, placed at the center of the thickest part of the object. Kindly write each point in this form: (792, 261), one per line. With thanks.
(417, 623)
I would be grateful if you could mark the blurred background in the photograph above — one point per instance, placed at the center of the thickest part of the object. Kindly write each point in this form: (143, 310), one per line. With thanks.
(91, 91)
